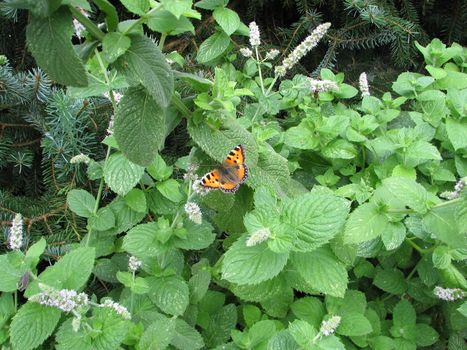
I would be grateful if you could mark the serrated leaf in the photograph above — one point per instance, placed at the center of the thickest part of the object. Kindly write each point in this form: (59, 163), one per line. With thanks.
(158, 335)
(139, 126)
(364, 224)
(251, 265)
(81, 202)
(321, 269)
(309, 309)
(393, 235)
(302, 332)
(136, 200)
(143, 63)
(211, 4)
(103, 220)
(441, 257)
(213, 47)
(426, 335)
(32, 325)
(170, 189)
(12, 270)
(198, 236)
(282, 340)
(186, 337)
(408, 192)
(112, 330)
(121, 174)
(142, 240)
(391, 281)
(139, 7)
(199, 284)
(63, 273)
(227, 19)
(114, 45)
(164, 22)
(316, 219)
(170, 294)
(177, 7)
(220, 326)
(456, 131)
(49, 40)
(354, 324)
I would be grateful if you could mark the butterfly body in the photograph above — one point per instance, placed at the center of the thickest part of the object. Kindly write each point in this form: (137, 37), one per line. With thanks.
(230, 174)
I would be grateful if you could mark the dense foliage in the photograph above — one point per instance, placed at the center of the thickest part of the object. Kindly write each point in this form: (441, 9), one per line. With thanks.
(350, 231)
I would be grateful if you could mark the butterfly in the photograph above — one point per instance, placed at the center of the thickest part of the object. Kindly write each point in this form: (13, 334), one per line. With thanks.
(230, 174)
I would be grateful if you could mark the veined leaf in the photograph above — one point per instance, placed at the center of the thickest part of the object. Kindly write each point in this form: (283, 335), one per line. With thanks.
(143, 63)
(81, 202)
(49, 40)
(408, 192)
(139, 126)
(251, 265)
(213, 47)
(121, 175)
(227, 19)
(170, 294)
(364, 224)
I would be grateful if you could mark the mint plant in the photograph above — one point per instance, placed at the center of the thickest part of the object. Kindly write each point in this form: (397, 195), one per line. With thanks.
(349, 233)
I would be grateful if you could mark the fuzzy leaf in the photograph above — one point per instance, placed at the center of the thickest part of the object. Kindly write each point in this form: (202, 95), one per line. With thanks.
(158, 335)
(227, 19)
(186, 337)
(315, 218)
(321, 269)
(170, 294)
(354, 324)
(364, 224)
(213, 47)
(408, 192)
(81, 202)
(49, 40)
(391, 281)
(143, 63)
(251, 265)
(114, 45)
(33, 324)
(121, 174)
(139, 126)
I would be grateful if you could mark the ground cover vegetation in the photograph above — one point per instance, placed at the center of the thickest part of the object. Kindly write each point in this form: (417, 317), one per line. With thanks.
(349, 231)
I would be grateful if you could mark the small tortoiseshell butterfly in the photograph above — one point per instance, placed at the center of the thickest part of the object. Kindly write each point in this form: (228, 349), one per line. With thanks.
(230, 174)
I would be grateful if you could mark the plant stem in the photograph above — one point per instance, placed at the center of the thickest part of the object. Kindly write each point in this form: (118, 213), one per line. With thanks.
(140, 20)
(272, 84)
(420, 249)
(258, 63)
(87, 23)
(162, 41)
(178, 103)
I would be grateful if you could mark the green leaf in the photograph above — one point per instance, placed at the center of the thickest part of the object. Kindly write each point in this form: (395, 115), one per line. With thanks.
(382, 342)
(211, 4)
(158, 335)
(364, 224)
(143, 63)
(422, 150)
(186, 337)
(111, 15)
(164, 22)
(81, 202)
(408, 192)
(121, 174)
(404, 318)
(393, 235)
(170, 294)
(12, 270)
(36, 250)
(463, 309)
(301, 137)
(33, 324)
(114, 45)
(426, 335)
(139, 7)
(309, 309)
(251, 265)
(139, 126)
(136, 200)
(159, 170)
(321, 269)
(49, 40)
(220, 326)
(198, 236)
(391, 281)
(339, 149)
(302, 332)
(282, 340)
(457, 130)
(177, 7)
(354, 324)
(142, 240)
(63, 273)
(104, 219)
(227, 19)
(442, 224)
(315, 218)
(441, 257)
(110, 328)
(199, 284)
(170, 189)
(213, 47)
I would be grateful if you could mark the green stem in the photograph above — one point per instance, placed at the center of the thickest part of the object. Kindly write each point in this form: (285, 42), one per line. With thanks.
(162, 41)
(420, 249)
(15, 299)
(272, 84)
(178, 103)
(258, 63)
(87, 23)
(140, 20)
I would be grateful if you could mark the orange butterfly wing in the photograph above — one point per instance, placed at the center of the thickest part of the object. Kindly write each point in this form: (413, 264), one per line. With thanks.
(211, 179)
(234, 172)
